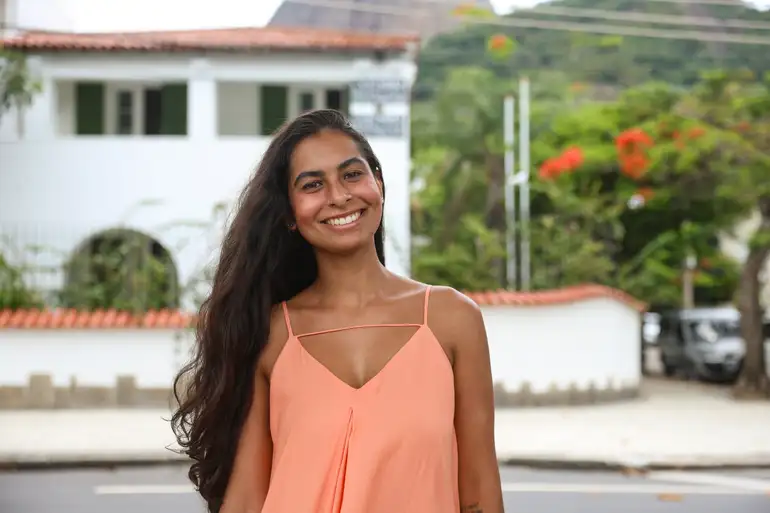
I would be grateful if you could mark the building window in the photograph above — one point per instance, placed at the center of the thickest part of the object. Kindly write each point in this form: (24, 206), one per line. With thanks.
(152, 111)
(337, 99)
(125, 113)
(281, 102)
(89, 108)
(306, 101)
(131, 109)
(274, 107)
(333, 99)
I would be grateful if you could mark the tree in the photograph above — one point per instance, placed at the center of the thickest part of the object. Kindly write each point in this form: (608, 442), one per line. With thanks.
(643, 149)
(738, 103)
(14, 292)
(16, 90)
(458, 210)
(17, 87)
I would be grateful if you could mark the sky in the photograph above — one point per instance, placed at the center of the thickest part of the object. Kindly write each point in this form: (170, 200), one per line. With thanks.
(134, 15)
(117, 15)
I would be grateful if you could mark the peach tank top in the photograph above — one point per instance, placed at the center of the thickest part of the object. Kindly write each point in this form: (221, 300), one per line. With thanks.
(387, 447)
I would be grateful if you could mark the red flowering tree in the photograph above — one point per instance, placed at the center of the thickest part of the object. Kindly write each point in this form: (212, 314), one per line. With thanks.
(632, 146)
(566, 162)
(621, 190)
(645, 188)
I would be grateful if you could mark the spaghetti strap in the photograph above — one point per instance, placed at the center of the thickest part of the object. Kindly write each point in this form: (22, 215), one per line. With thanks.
(287, 318)
(358, 326)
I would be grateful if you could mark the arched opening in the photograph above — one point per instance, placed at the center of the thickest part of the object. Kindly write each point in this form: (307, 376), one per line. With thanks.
(121, 269)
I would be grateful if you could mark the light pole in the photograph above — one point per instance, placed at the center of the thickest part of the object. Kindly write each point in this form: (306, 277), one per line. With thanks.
(513, 179)
(526, 264)
(509, 130)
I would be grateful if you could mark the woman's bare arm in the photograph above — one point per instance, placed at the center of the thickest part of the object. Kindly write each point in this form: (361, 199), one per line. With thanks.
(250, 479)
(247, 488)
(462, 327)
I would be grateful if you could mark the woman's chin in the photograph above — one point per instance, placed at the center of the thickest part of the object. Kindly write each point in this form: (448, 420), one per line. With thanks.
(345, 245)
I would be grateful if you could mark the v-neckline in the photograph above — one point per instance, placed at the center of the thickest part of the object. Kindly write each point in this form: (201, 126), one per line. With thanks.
(345, 384)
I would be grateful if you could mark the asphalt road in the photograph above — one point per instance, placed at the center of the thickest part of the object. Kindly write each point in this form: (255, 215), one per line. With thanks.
(165, 490)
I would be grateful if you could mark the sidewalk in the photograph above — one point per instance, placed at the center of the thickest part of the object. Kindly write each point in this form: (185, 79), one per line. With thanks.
(674, 425)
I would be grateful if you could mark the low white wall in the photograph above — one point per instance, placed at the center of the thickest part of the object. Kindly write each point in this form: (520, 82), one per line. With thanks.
(557, 346)
(93, 357)
(594, 341)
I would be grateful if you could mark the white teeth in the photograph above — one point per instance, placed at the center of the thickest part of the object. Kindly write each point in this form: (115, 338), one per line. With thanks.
(342, 221)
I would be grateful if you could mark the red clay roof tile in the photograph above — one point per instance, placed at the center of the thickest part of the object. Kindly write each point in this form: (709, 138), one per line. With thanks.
(234, 39)
(172, 319)
(550, 297)
(98, 319)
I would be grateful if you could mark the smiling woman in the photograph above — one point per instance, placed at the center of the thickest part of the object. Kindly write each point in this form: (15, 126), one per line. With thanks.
(322, 382)
(338, 207)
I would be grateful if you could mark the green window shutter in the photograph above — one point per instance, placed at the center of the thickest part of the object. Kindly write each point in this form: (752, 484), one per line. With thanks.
(274, 108)
(346, 101)
(338, 99)
(173, 105)
(89, 108)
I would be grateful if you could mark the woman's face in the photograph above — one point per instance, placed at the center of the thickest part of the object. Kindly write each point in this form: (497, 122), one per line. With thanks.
(335, 197)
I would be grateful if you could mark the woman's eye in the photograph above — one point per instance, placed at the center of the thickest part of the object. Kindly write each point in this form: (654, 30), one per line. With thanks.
(311, 185)
(353, 174)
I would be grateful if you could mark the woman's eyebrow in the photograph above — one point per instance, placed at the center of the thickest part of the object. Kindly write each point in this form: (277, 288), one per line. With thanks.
(317, 173)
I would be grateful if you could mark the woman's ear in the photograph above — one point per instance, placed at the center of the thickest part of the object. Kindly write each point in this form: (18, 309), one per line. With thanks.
(380, 184)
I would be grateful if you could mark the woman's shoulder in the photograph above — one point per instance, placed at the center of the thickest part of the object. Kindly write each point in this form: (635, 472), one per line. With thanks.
(454, 318)
(448, 300)
(277, 339)
(449, 295)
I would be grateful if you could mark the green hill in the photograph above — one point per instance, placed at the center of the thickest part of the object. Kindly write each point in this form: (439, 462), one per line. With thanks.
(598, 59)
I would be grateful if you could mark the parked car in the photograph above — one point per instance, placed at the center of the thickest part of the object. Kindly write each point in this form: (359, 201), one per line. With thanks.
(702, 343)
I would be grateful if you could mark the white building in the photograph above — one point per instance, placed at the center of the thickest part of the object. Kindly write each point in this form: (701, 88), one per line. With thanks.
(177, 121)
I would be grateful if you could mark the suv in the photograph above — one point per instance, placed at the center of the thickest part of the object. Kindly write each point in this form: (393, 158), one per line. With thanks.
(702, 343)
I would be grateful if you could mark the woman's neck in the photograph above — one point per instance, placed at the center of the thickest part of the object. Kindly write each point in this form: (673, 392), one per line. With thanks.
(350, 280)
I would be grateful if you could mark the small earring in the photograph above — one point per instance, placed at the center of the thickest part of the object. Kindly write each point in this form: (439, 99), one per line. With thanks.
(292, 226)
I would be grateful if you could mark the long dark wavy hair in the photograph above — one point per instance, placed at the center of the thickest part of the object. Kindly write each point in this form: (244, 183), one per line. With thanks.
(261, 263)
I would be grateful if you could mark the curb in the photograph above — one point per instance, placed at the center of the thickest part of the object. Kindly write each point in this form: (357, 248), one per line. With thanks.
(620, 466)
(100, 461)
(11, 463)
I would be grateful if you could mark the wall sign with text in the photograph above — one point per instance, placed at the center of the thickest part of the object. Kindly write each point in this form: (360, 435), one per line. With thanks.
(380, 125)
(380, 91)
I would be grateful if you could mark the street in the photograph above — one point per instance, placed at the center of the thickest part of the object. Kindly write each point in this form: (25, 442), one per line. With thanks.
(166, 490)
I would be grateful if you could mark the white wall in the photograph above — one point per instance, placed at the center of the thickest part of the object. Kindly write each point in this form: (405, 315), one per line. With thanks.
(68, 190)
(93, 357)
(595, 340)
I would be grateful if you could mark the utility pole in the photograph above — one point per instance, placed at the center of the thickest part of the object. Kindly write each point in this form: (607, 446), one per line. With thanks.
(526, 265)
(688, 281)
(509, 131)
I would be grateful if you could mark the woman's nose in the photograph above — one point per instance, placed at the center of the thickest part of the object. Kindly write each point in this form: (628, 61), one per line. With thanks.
(339, 196)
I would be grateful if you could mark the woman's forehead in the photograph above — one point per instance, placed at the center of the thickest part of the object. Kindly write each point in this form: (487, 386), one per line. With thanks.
(324, 151)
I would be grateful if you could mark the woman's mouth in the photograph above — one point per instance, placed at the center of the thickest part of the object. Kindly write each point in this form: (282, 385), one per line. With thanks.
(344, 220)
